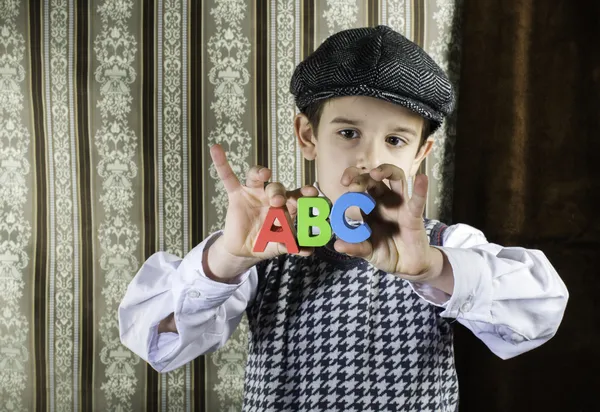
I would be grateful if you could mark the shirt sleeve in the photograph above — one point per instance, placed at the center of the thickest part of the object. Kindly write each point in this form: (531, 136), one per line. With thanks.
(510, 297)
(206, 312)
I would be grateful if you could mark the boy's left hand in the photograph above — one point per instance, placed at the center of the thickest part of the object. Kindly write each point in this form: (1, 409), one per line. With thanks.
(398, 244)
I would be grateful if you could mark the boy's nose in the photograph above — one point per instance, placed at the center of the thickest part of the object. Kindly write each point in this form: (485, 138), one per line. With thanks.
(367, 159)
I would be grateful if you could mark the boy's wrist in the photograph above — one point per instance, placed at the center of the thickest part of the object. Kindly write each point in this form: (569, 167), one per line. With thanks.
(167, 324)
(440, 274)
(221, 266)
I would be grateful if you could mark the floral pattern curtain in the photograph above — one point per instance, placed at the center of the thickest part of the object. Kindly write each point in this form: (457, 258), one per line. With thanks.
(107, 110)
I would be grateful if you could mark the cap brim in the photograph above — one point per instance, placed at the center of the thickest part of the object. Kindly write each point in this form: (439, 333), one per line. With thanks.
(435, 117)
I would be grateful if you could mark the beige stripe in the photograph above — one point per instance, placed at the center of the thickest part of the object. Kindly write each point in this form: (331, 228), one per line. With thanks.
(63, 328)
(397, 13)
(284, 108)
(172, 186)
(439, 37)
(337, 15)
(117, 209)
(17, 211)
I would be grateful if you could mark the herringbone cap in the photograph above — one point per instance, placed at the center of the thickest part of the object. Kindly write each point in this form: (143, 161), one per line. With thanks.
(377, 62)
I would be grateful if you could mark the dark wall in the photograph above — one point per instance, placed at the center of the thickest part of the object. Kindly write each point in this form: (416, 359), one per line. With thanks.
(528, 174)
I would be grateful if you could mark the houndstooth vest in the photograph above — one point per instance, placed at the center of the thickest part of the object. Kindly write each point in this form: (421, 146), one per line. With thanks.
(331, 333)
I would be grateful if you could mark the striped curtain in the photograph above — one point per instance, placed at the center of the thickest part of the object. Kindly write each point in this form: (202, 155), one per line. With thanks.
(107, 110)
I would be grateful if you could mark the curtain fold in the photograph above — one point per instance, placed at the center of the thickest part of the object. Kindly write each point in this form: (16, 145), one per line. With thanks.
(527, 174)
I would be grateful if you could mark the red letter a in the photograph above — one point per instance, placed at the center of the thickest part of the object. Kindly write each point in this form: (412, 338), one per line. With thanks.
(270, 233)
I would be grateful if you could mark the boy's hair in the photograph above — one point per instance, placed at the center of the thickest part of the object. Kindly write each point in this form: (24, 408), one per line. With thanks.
(314, 111)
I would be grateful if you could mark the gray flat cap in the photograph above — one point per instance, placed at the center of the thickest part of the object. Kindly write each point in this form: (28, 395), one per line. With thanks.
(377, 62)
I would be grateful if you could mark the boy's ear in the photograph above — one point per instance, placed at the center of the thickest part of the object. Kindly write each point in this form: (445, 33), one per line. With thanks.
(421, 155)
(306, 137)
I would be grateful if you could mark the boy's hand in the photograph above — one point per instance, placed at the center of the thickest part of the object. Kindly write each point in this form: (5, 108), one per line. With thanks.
(399, 242)
(248, 206)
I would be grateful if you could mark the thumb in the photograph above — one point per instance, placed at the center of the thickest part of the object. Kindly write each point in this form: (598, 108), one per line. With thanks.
(363, 249)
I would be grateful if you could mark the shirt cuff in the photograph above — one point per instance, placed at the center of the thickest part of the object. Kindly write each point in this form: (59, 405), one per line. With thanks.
(472, 295)
(194, 291)
(430, 294)
(161, 345)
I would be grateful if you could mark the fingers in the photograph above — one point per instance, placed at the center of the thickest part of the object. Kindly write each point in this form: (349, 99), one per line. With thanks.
(362, 249)
(306, 251)
(257, 176)
(294, 195)
(307, 191)
(229, 179)
(416, 204)
(366, 183)
(349, 174)
(303, 251)
(362, 182)
(276, 194)
(394, 175)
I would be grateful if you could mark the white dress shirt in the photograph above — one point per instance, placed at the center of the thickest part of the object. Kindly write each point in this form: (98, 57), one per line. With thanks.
(509, 297)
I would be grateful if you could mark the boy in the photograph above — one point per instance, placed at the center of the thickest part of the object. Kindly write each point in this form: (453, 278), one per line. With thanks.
(348, 327)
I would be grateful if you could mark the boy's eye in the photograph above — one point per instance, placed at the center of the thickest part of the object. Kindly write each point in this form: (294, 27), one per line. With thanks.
(349, 133)
(395, 141)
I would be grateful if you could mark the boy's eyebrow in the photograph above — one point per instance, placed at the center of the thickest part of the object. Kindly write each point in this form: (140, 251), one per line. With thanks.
(398, 129)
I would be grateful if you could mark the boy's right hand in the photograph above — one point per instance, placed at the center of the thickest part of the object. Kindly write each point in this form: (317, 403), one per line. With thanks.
(233, 253)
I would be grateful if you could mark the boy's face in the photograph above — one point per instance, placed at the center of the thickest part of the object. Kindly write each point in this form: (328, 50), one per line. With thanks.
(364, 132)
